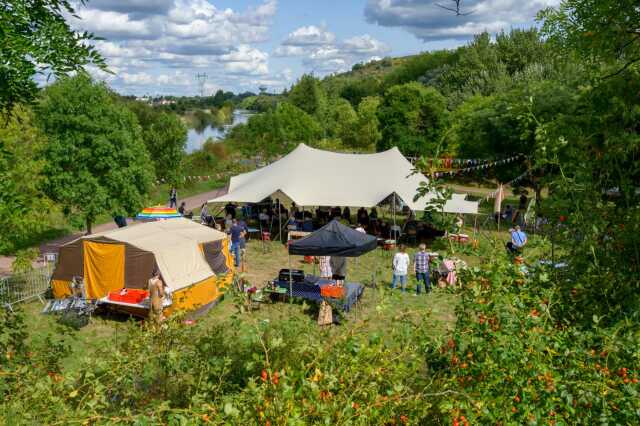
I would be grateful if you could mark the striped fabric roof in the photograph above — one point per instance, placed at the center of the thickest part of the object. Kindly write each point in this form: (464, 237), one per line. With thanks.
(158, 212)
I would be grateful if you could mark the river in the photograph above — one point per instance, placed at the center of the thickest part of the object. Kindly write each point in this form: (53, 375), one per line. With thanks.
(196, 139)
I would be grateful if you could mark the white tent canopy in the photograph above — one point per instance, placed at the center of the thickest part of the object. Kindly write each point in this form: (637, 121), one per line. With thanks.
(313, 177)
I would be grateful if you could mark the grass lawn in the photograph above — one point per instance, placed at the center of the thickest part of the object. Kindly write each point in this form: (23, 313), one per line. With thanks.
(378, 310)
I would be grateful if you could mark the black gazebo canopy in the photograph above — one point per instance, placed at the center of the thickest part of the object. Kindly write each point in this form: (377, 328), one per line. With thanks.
(334, 239)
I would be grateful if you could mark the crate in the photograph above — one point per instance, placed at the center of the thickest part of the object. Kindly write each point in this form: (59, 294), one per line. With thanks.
(128, 295)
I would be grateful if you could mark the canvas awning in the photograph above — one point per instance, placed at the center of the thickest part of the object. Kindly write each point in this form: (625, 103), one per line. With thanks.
(334, 239)
(313, 177)
(176, 246)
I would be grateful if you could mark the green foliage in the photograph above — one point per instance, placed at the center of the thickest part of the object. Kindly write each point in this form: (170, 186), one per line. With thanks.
(96, 161)
(357, 90)
(503, 125)
(261, 103)
(23, 208)
(425, 67)
(165, 137)
(275, 132)
(340, 121)
(597, 30)
(367, 128)
(412, 117)
(308, 95)
(36, 39)
(513, 357)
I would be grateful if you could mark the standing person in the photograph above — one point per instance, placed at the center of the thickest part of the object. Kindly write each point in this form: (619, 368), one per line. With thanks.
(205, 217)
(325, 267)
(522, 209)
(518, 240)
(237, 234)
(362, 216)
(243, 237)
(339, 269)
(346, 214)
(156, 295)
(421, 269)
(401, 263)
(173, 197)
(230, 209)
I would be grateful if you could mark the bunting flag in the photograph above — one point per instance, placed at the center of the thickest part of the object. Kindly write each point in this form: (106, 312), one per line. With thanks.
(500, 191)
(476, 165)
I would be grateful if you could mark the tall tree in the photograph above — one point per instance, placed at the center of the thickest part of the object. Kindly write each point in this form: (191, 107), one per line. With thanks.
(412, 117)
(96, 158)
(308, 95)
(165, 137)
(367, 132)
(36, 39)
(23, 207)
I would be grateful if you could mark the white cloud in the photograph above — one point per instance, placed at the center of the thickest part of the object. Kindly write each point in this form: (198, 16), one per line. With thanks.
(309, 36)
(115, 24)
(365, 44)
(141, 78)
(322, 53)
(246, 60)
(289, 51)
(429, 22)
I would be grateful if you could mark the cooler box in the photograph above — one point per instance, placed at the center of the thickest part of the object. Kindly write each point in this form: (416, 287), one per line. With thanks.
(332, 291)
(297, 275)
(128, 295)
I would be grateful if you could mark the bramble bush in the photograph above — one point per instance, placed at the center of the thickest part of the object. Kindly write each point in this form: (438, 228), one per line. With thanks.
(512, 358)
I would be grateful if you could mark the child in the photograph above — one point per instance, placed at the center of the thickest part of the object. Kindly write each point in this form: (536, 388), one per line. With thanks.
(401, 263)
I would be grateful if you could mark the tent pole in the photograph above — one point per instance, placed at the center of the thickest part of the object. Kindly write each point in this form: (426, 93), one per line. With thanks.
(279, 222)
(394, 218)
(261, 235)
(290, 278)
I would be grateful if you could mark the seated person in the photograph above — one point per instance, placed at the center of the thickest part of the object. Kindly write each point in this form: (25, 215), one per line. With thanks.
(292, 225)
(307, 225)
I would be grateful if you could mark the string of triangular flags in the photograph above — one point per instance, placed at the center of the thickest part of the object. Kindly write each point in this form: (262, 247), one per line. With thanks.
(471, 165)
(193, 178)
(511, 182)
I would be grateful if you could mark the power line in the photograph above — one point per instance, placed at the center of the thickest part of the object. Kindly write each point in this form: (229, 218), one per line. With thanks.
(202, 79)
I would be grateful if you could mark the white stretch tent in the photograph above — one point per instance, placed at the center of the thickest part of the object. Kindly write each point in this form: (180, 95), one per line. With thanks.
(313, 177)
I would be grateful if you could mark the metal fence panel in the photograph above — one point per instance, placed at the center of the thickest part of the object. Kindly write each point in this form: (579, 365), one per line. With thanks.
(25, 286)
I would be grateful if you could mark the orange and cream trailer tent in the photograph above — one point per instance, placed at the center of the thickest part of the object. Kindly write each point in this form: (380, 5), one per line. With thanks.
(193, 261)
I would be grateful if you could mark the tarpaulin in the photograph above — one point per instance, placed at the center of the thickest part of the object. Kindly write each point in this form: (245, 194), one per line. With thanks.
(61, 289)
(103, 268)
(334, 239)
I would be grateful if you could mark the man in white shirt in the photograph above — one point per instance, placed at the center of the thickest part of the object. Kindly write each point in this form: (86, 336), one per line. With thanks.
(401, 263)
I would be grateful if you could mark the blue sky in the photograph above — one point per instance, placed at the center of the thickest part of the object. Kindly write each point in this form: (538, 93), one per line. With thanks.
(158, 46)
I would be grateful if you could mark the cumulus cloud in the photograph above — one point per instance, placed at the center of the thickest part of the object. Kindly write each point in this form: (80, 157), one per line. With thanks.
(322, 53)
(136, 8)
(246, 60)
(309, 36)
(160, 44)
(427, 21)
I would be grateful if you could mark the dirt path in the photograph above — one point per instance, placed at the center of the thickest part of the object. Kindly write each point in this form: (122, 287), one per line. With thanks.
(53, 246)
